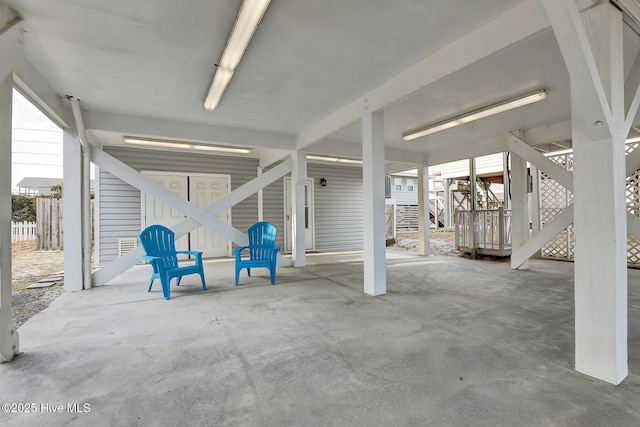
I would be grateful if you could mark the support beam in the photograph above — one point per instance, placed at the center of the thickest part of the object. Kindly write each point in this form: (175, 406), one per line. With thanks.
(592, 98)
(72, 210)
(519, 207)
(447, 204)
(600, 229)
(445, 153)
(375, 270)
(298, 208)
(632, 94)
(424, 221)
(181, 229)
(551, 169)
(474, 46)
(260, 198)
(11, 47)
(8, 333)
(473, 201)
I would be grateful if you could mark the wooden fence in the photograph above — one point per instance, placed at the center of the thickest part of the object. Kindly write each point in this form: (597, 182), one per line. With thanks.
(23, 231)
(49, 221)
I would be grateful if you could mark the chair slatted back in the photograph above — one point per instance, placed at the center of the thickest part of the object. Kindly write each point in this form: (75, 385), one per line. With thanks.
(159, 241)
(262, 239)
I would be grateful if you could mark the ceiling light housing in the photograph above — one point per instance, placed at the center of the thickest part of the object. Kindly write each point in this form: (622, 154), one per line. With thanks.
(334, 159)
(478, 114)
(247, 21)
(183, 145)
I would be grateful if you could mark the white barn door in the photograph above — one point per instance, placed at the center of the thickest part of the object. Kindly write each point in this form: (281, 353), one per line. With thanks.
(199, 189)
(204, 190)
(156, 212)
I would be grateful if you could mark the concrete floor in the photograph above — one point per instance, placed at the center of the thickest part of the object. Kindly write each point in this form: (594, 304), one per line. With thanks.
(454, 343)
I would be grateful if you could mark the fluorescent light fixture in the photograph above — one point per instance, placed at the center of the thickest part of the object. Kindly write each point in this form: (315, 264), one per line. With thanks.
(631, 140)
(334, 159)
(247, 21)
(478, 114)
(183, 145)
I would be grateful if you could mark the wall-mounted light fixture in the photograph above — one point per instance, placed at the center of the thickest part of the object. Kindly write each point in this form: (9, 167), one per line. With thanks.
(323, 182)
(183, 145)
(480, 113)
(247, 21)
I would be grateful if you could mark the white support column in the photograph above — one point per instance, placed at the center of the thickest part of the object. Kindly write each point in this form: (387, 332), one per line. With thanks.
(473, 201)
(506, 181)
(447, 204)
(375, 269)
(424, 222)
(8, 333)
(600, 220)
(535, 200)
(519, 206)
(260, 199)
(298, 194)
(72, 210)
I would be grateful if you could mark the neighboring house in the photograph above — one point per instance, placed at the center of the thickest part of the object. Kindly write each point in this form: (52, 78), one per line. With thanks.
(35, 186)
(334, 211)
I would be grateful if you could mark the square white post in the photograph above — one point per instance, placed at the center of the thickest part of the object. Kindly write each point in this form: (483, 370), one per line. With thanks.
(600, 219)
(72, 210)
(298, 194)
(8, 332)
(519, 206)
(424, 222)
(375, 270)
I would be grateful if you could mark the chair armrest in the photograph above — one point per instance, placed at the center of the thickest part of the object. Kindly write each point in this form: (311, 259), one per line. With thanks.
(189, 252)
(240, 249)
(150, 258)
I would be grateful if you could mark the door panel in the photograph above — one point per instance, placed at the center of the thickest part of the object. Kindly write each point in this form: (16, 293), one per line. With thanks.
(157, 212)
(204, 190)
(308, 214)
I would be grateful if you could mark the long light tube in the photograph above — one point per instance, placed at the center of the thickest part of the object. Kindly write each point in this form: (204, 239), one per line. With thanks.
(247, 21)
(334, 159)
(478, 114)
(182, 145)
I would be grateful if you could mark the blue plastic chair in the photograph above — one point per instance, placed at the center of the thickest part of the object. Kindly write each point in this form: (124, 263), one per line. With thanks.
(262, 248)
(159, 244)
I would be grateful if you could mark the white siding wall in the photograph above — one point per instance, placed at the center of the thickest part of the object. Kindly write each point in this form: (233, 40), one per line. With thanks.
(120, 210)
(485, 165)
(338, 206)
(404, 197)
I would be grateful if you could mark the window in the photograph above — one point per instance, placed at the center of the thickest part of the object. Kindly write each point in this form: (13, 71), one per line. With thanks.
(410, 185)
(398, 184)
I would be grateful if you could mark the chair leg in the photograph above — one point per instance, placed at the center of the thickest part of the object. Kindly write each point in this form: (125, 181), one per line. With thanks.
(178, 280)
(150, 284)
(204, 286)
(248, 272)
(237, 275)
(166, 282)
(272, 272)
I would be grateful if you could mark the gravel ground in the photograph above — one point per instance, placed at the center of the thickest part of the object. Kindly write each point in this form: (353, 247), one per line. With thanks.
(440, 242)
(29, 266)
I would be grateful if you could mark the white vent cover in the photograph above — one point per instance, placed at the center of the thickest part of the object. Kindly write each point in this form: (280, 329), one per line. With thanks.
(126, 245)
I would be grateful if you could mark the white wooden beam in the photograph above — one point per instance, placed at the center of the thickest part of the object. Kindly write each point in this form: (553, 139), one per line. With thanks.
(375, 270)
(600, 271)
(576, 51)
(550, 230)
(298, 196)
(8, 332)
(633, 162)
(72, 210)
(632, 94)
(633, 225)
(474, 46)
(519, 204)
(171, 129)
(424, 221)
(551, 169)
(121, 264)
(11, 47)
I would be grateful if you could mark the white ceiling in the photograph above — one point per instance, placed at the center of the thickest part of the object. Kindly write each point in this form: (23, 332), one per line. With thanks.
(154, 59)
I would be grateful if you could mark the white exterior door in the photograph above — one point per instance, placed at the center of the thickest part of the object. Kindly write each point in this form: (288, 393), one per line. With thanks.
(199, 189)
(156, 212)
(308, 214)
(204, 190)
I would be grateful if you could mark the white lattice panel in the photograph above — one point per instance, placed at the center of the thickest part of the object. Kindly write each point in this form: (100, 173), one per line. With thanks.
(554, 198)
